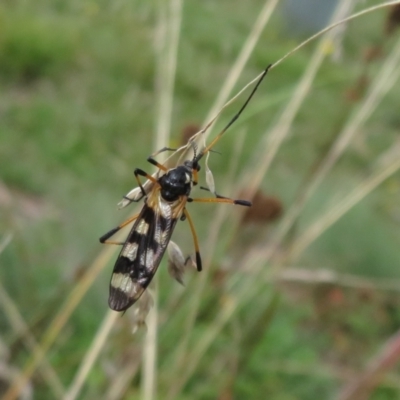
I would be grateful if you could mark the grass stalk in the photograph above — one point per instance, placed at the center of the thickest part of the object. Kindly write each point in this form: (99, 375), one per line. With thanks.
(334, 25)
(334, 214)
(91, 355)
(305, 276)
(244, 293)
(244, 55)
(59, 321)
(121, 382)
(20, 328)
(384, 80)
(272, 141)
(362, 387)
(179, 364)
(169, 25)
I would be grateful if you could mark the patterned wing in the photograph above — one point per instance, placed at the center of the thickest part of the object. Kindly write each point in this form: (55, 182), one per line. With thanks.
(142, 252)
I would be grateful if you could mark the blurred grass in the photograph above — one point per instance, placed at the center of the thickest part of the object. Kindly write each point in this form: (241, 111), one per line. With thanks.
(77, 113)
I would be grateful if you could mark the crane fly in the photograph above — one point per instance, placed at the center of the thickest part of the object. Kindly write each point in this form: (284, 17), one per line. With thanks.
(165, 199)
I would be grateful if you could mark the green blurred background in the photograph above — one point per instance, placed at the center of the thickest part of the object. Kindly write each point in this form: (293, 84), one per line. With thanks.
(77, 115)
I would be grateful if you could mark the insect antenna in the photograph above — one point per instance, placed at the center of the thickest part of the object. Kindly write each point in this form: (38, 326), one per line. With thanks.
(235, 117)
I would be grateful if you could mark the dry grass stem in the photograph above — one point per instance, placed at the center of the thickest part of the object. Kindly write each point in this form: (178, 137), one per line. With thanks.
(241, 288)
(193, 359)
(123, 379)
(361, 388)
(5, 241)
(308, 276)
(333, 215)
(91, 355)
(20, 328)
(167, 40)
(243, 293)
(59, 322)
(384, 81)
(272, 141)
(149, 356)
(195, 298)
(167, 49)
(244, 55)
(334, 25)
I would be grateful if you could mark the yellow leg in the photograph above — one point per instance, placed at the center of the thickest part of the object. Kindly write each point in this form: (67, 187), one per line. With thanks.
(104, 238)
(195, 240)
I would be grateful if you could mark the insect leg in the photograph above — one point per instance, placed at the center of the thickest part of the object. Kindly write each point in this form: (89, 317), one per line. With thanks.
(195, 177)
(139, 172)
(240, 202)
(133, 200)
(139, 192)
(151, 159)
(221, 199)
(195, 240)
(105, 237)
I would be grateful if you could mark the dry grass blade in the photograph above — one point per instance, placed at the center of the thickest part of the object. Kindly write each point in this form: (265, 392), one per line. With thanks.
(195, 298)
(387, 358)
(201, 347)
(91, 355)
(199, 138)
(149, 356)
(6, 240)
(334, 25)
(257, 258)
(224, 92)
(243, 57)
(166, 44)
(384, 81)
(59, 322)
(221, 102)
(324, 222)
(169, 24)
(21, 329)
(243, 294)
(120, 383)
(35, 103)
(238, 66)
(272, 141)
(326, 276)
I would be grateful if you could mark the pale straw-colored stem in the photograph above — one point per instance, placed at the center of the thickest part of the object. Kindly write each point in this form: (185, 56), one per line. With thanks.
(334, 214)
(195, 298)
(334, 25)
(59, 322)
(244, 293)
(20, 328)
(91, 355)
(241, 60)
(272, 141)
(385, 79)
(167, 46)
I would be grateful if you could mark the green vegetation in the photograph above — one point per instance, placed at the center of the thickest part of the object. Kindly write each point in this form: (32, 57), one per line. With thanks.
(78, 109)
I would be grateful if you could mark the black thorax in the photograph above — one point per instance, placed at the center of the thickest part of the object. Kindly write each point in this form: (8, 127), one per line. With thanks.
(175, 183)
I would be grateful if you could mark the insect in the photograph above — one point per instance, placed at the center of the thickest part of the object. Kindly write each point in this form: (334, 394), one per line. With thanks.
(166, 196)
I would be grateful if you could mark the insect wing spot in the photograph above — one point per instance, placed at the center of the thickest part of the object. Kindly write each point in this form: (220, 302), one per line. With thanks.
(161, 236)
(142, 227)
(130, 251)
(149, 262)
(123, 291)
